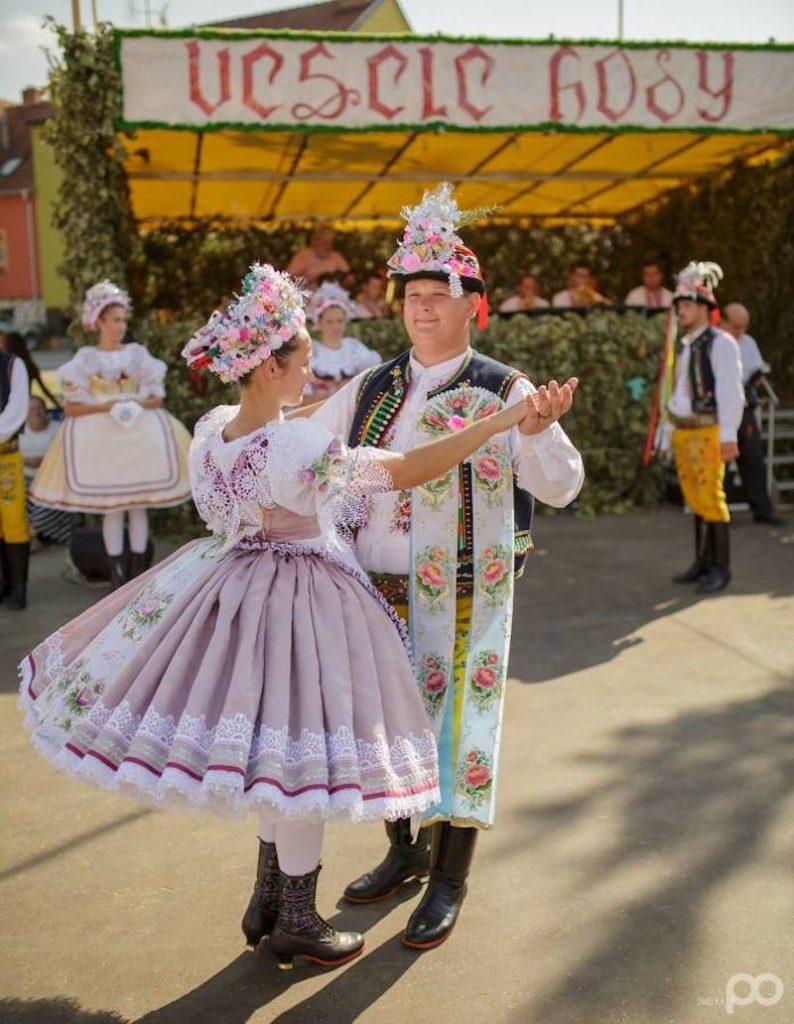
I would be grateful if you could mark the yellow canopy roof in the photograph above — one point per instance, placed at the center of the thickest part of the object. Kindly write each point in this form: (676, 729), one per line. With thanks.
(236, 125)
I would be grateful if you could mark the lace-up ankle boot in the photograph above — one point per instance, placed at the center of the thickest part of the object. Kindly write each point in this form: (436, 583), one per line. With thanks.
(300, 931)
(262, 910)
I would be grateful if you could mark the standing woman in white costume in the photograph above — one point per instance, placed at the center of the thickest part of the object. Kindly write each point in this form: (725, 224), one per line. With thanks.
(119, 451)
(336, 357)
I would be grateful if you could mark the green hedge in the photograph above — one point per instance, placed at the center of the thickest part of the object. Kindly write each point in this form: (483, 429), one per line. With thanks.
(604, 349)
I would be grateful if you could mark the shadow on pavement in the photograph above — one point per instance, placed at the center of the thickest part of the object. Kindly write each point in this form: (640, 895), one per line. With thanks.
(53, 1011)
(591, 584)
(693, 800)
(252, 981)
(71, 844)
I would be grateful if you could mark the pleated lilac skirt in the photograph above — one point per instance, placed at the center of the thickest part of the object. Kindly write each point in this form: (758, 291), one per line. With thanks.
(273, 676)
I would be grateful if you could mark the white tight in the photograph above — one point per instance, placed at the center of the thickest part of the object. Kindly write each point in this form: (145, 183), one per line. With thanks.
(298, 844)
(113, 531)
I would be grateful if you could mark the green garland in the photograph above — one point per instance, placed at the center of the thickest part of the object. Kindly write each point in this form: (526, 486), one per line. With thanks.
(93, 209)
(439, 37)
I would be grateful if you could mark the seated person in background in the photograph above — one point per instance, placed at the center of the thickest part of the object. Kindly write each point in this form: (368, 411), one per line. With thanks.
(580, 290)
(39, 432)
(319, 258)
(371, 299)
(527, 296)
(651, 293)
(336, 358)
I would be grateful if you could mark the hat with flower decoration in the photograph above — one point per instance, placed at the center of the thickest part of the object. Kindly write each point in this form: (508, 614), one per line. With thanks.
(325, 297)
(98, 298)
(697, 281)
(431, 247)
(267, 314)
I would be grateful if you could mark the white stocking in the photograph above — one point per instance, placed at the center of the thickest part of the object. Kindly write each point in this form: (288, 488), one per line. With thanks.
(139, 530)
(113, 533)
(299, 845)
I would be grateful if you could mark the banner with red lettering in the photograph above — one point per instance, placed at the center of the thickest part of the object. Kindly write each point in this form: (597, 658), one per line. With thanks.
(275, 81)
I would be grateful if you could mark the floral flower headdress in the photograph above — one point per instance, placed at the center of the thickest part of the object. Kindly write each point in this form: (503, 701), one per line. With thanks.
(697, 281)
(258, 322)
(328, 295)
(98, 298)
(431, 247)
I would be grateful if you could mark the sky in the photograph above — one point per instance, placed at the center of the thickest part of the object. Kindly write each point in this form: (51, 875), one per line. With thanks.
(22, 35)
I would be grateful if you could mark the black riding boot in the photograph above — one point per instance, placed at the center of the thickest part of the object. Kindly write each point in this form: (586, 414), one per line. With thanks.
(118, 572)
(262, 910)
(719, 574)
(300, 931)
(404, 860)
(18, 556)
(5, 572)
(699, 567)
(450, 859)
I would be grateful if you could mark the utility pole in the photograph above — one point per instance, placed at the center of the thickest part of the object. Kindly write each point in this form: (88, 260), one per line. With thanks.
(620, 20)
(76, 24)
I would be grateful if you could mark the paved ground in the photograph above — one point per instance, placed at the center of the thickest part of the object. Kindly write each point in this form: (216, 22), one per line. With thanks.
(642, 857)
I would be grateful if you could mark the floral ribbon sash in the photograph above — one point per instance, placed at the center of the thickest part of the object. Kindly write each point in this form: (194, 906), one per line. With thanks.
(463, 687)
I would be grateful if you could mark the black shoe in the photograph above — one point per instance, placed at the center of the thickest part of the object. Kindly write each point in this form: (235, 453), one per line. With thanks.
(262, 911)
(17, 557)
(770, 520)
(699, 567)
(719, 574)
(118, 574)
(300, 931)
(404, 860)
(138, 564)
(450, 859)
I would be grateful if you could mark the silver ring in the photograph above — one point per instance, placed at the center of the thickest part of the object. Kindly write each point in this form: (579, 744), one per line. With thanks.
(542, 417)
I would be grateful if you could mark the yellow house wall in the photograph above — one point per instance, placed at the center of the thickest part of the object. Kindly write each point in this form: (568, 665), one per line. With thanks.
(388, 17)
(47, 178)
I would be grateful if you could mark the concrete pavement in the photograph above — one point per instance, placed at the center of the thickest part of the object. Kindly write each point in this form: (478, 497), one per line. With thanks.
(642, 857)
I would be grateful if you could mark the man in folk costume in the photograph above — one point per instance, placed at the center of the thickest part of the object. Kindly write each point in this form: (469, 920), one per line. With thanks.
(445, 554)
(706, 410)
(14, 527)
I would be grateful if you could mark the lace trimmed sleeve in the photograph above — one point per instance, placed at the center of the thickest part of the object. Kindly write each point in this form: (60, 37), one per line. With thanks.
(75, 377)
(150, 372)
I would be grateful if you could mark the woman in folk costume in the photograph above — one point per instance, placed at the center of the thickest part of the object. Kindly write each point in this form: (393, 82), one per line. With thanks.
(447, 551)
(119, 450)
(258, 669)
(336, 357)
(706, 411)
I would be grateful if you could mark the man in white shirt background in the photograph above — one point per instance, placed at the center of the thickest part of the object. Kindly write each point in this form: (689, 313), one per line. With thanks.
(526, 297)
(581, 290)
(651, 293)
(736, 321)
(706, 409)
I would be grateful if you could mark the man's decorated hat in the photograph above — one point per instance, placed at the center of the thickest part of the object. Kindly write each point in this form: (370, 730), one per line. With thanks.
(697, 281)
(325, 297)
(98, 298)
(267, 314)
(430, 246)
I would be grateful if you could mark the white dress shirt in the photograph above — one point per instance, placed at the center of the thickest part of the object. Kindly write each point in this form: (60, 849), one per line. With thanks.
(546, 464)
(728, 388)
(16, 410)
(642, 296)
(752, 360)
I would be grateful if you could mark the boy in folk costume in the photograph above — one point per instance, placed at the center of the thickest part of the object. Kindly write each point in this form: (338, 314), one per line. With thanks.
(445, 554)
(705, 409)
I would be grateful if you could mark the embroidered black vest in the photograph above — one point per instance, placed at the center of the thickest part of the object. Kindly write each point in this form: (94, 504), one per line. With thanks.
(381, 395)
(6, 362)
(701, 373)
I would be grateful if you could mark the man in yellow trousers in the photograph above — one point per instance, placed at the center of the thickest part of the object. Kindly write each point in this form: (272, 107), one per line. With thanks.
(14, 528)
(705, 409)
